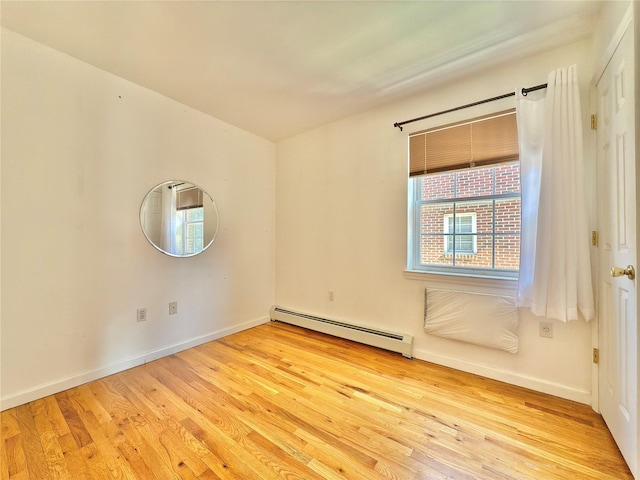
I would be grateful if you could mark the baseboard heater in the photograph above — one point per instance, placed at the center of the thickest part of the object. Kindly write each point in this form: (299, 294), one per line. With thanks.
(395, 342)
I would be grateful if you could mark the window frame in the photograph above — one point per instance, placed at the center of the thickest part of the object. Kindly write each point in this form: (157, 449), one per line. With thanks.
(184, 225)
(453, 147)
(450, 236)
(414, 264)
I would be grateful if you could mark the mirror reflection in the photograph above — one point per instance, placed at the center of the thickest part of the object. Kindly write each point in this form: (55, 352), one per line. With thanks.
(179, 218)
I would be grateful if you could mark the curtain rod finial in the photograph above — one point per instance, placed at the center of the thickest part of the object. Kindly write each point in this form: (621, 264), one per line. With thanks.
(398, 125)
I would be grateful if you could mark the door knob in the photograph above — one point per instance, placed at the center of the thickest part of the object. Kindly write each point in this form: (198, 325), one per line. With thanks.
(629, 272)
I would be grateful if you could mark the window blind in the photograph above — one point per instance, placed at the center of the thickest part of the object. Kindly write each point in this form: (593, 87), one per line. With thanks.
(188, 198)
(475, 142)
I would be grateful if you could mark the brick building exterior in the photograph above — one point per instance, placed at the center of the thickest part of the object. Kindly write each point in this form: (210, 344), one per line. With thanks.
(487, 210)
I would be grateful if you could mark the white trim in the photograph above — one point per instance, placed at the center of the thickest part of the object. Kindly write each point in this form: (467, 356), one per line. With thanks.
(44, 390)
(602, 63)
(467, 283)
(595, 373)
(537, 384)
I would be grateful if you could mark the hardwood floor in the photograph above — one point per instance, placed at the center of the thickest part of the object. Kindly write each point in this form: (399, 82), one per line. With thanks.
(277, 401)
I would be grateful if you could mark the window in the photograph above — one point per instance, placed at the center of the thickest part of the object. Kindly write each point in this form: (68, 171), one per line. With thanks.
(193, 224)
(466, 219)
(460, 240)
(190, 220)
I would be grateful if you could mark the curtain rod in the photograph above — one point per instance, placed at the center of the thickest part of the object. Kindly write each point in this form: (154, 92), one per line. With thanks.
(510, 94)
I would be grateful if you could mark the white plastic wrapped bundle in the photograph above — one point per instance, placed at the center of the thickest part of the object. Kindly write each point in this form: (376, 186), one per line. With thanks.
(482, 319)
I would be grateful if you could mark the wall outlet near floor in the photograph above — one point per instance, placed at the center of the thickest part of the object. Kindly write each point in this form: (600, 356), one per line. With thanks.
(546, 329)
(173, 308)
(332, 297)
(141, 315)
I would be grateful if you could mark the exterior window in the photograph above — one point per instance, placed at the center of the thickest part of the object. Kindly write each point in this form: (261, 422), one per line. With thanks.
(190, 223)
(460, 240)
(464, 198)
(477, 211)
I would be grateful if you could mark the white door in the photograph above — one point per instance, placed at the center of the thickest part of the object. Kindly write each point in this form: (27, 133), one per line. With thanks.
(616, 183)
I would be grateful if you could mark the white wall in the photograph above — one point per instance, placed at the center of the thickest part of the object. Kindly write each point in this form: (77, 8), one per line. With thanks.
(609, 21)
(341, 226)
(80, 149)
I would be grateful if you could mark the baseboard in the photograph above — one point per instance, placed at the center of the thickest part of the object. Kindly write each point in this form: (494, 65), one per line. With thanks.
(537, 384)
(64, 384)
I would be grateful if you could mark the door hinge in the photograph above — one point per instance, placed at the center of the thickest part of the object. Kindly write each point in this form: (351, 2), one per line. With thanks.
(596, 355)
(594, 121)
(594, 238)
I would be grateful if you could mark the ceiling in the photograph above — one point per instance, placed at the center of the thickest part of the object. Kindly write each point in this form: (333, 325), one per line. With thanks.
(277, 69)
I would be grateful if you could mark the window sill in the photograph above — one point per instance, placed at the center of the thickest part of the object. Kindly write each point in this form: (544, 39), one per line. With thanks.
(479, 283)
(460, 255)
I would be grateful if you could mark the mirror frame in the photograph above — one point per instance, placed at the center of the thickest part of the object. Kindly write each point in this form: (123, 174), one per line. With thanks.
(205, 196)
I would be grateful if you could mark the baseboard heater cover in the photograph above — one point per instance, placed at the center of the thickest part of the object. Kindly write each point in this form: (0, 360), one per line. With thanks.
(395, 342)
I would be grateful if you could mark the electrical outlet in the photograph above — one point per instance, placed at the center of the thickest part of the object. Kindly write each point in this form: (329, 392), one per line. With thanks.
(546, 329)
(173, 308)
(141, 315)
(331, 296)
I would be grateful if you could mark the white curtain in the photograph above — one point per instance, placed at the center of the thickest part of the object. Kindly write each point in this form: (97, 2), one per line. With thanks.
(555, 267)
(530, 120)
(168, 224)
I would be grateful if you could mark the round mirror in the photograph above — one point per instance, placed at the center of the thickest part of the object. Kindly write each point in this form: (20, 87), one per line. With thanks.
(179, 218)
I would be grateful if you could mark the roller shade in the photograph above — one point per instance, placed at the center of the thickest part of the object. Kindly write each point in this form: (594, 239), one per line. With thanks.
(475, 142)
(188, 198)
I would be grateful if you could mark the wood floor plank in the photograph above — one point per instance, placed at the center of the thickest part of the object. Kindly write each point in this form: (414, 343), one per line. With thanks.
(75, 461)
(106, 442)
(159, 426)
(9, 425)
(229, 457)
(287, 464)
(15, 457)
(76, 426)
(146, 461)
(280, 402)
(31, 445)
(49, 438)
